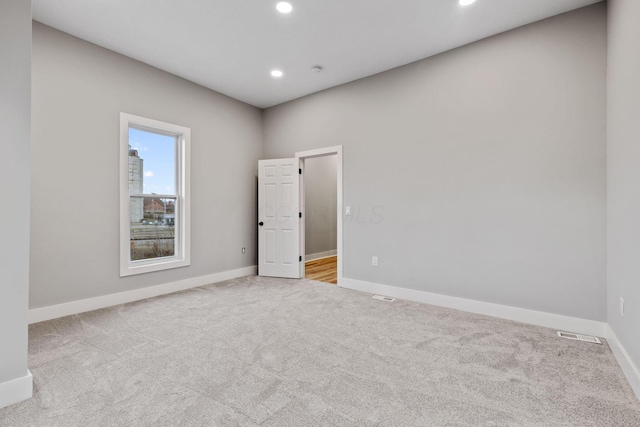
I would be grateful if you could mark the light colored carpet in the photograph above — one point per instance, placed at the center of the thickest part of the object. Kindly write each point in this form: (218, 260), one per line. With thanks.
(273, 352)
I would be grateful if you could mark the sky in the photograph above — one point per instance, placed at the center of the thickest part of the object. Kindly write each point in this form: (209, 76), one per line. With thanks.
(158, 153)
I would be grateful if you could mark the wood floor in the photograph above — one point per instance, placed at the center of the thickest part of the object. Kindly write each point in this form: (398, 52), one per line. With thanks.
(323, 270)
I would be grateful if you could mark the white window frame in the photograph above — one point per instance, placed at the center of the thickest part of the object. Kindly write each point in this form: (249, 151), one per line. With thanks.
(182, 243)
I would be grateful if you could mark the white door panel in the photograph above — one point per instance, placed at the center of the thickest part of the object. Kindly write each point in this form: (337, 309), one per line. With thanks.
(278, 222)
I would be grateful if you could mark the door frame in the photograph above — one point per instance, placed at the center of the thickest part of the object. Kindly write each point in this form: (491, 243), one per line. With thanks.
(301, 157)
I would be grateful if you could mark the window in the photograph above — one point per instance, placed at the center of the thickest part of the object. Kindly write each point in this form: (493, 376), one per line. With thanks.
(154, 195)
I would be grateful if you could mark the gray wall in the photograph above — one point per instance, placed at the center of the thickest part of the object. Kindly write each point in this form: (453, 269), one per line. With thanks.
(15, 122)
(478, 173)
(623, 153)
(79, 90)
(320, 204)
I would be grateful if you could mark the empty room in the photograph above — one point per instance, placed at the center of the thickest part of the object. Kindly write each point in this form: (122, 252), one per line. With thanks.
(320, 213)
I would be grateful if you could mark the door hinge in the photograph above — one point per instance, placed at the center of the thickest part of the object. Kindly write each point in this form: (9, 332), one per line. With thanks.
(300, 171)
(300, 259)
(299, 214)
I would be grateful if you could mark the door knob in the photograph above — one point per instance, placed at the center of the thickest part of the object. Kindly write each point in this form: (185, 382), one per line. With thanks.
(261, 223)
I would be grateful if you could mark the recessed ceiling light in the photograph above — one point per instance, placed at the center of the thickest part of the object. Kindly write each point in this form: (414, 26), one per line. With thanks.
(466, 2)
(317, 69)
(284, 7)
(276, 73)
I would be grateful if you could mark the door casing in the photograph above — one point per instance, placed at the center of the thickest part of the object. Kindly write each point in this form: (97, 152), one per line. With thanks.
(301, 157)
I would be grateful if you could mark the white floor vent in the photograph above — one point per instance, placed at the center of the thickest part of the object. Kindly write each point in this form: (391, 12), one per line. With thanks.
(577, 337)
(380, 297)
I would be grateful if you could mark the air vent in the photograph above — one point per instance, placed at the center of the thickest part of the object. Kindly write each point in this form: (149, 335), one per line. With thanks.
(577, 337)
(380, 297)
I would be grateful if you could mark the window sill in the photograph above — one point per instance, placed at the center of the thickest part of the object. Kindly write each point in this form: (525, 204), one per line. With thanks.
(149, 266)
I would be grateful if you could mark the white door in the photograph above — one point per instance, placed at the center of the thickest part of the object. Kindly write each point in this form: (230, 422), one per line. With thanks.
(278, 222)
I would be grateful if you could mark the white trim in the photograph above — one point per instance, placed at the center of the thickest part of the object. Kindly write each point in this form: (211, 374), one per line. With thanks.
(320, 255)
(17, 390)
(74, 307)
(321, 152)
(302, 231)
(182, 257)
(539, 318)
(629, 368)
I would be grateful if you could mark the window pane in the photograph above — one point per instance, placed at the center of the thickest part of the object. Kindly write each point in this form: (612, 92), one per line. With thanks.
(152, 162)
(154, 235)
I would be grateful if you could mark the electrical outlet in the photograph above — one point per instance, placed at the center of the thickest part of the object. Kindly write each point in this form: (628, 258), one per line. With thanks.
(621, 306)
(374, 261)
(244, 250)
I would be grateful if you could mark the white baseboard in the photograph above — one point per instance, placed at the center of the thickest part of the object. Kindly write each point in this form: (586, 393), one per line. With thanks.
(319, 255)
(539, 318)
(17, 390)
(629, 368)
(74, 307)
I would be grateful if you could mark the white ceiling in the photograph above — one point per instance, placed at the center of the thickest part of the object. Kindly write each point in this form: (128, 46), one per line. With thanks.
(232, 45)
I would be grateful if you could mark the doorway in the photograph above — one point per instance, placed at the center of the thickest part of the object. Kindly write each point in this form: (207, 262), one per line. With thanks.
(321, 207)
(320, 219)
(281, 212)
